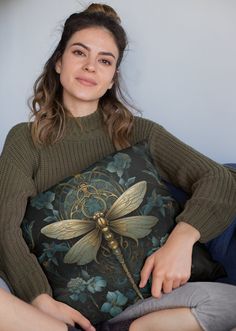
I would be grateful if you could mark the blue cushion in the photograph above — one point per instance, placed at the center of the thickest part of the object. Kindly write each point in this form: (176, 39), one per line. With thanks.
(221, 248)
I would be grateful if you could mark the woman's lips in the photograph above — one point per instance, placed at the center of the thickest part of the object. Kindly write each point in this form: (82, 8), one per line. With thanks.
(86, 81)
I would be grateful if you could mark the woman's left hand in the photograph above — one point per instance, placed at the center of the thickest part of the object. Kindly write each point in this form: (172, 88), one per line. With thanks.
(171, 264)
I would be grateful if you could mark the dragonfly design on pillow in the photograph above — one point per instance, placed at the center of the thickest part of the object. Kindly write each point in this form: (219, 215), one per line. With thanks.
(103, 224)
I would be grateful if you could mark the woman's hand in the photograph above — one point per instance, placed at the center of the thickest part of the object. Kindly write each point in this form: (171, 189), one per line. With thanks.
(171, 264)
(61, 311)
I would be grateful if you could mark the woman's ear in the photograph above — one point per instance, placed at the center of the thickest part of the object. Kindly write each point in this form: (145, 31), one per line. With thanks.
(114, 79)
(111, 84)
(58, 66)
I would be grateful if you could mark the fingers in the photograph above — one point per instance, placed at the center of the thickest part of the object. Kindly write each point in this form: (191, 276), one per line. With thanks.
(176, 283)
(168, 270)
(167, 286)
(78, 318)
(146, 271)
(156, 286)
(172, 281)
(166, 283)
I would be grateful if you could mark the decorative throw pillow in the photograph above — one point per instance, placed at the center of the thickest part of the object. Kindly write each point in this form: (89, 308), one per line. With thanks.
(92, 232)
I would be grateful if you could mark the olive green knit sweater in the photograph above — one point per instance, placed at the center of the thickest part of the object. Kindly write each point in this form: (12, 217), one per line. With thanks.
(26, 170)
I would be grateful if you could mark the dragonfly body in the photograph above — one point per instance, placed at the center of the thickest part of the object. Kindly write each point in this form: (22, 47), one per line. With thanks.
(103, 224)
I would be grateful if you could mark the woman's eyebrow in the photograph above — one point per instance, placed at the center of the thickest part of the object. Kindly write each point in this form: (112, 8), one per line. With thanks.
(88, 49)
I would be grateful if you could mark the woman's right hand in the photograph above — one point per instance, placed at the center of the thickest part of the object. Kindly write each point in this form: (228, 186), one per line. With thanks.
(61, 311)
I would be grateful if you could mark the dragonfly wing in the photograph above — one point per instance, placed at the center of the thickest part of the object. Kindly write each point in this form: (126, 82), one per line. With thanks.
(135, 227)
(130, 200)
(85, 250)
(67, 229)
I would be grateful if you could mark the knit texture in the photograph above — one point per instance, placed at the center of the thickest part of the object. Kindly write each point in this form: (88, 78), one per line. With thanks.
(26, 170)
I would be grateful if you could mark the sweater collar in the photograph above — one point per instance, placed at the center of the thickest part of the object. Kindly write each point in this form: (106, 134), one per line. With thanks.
(88, 123)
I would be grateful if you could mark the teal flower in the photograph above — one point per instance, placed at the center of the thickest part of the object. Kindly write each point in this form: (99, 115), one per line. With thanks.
(96, 284)
(76, 286)
(115, 301)
(127, 183)
(52, 218)
(121, 162)
(164, 239)
(158, 201)
(50, 250)
(157, 243)
(43, 200)
(151, 171)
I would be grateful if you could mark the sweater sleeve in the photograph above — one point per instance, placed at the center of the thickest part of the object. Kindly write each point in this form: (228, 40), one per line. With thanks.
(211, 186)
(17, 165)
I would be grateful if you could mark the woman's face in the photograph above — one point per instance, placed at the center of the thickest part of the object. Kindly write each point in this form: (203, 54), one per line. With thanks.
(87, 68)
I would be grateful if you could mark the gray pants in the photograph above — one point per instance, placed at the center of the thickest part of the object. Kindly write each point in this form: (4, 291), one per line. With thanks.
(212, 304)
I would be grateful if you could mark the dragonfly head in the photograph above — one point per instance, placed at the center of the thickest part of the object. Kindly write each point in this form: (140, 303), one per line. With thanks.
(100, 220)
(97, 216)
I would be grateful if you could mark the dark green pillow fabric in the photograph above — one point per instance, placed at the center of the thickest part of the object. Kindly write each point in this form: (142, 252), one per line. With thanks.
(92, 232)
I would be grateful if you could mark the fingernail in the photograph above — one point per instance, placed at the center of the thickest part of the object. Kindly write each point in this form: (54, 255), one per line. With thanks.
(157, 295)
(92, 328)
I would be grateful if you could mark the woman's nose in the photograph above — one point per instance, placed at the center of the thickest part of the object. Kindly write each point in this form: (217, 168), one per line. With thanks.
(89, 65)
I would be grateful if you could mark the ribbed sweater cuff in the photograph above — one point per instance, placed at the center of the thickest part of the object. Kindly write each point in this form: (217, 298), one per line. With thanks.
(194, 214)
(34, 289)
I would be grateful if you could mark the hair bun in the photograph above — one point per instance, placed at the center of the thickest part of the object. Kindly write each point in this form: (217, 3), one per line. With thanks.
(105, 9)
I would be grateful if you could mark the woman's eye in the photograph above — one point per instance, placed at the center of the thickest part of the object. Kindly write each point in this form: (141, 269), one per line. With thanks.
(106, 62)
(78, 52)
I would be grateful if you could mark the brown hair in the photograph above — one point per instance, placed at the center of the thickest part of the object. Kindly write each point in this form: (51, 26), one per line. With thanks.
(47, 105)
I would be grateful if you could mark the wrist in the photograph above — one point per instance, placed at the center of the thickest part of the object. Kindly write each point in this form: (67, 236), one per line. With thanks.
(40, 299)
(186, 232)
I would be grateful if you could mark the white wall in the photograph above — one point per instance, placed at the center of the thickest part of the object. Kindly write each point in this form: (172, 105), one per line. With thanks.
(180, 68)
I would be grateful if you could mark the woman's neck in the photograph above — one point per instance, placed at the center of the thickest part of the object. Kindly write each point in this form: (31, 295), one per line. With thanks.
(80, 108)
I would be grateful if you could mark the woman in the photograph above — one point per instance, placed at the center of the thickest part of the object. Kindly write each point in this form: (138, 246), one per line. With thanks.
(79, 119)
